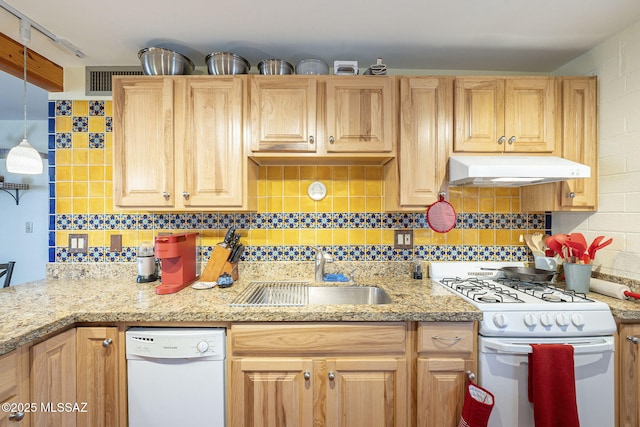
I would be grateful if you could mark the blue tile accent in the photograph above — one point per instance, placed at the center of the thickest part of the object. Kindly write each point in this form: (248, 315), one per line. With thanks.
(51, 108)
(52, 190)
(51, 156)
(51, 141)
(52, 254)
(52, 238)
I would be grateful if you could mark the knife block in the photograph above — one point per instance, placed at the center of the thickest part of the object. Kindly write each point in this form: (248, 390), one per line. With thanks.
(218, 264)
(232, 269)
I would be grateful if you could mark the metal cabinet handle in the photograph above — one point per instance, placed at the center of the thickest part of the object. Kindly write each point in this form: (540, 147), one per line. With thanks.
(16, 416)
(512, 140)
(471, 375)
(311, 140)
(307, 375)
(633, 340)
(332, 375)
(435, 337)
(106, 343)
(186, 195)
(331, 140)
(166, 195)
(501, 140)
(571, 195)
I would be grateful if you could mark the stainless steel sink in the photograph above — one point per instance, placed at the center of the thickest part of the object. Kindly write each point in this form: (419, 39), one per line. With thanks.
(276, 294)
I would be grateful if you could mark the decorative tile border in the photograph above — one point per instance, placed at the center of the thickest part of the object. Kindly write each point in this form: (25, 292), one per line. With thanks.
(269, 221)
(339, 253)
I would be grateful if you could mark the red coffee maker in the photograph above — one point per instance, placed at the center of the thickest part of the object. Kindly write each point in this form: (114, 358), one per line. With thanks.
(177, 255)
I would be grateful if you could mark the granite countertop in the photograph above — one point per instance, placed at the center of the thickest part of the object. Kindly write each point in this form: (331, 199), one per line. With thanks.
(33, 310)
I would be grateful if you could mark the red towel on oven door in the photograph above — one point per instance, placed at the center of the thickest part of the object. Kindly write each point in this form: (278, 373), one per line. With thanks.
(552, 386)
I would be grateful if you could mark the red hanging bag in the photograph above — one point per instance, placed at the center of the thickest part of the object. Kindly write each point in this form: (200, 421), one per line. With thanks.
(477, 406)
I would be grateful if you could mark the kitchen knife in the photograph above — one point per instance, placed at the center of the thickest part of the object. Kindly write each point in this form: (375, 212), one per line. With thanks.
(228, 237)
(234, 242)
(237, 254)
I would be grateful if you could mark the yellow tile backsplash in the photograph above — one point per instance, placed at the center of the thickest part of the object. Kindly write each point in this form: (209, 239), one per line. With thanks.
(350, 221)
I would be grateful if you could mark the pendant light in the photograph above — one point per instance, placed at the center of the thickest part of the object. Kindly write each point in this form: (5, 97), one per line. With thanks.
(23, 158)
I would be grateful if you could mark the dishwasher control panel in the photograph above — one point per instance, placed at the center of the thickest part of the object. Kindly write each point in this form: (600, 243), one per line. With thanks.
(176, 343)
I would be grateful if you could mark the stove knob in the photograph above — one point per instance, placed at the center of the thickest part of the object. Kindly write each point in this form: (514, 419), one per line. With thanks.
(500, 320)
(546, 320)
(203, 346)
(530, 320)
(578, 320)
(562, 320)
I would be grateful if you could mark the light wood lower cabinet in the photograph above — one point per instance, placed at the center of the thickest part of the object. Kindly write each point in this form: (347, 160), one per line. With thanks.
(318, 375)
(446, 351)
(629, 375)
(97, 374)
(53, 379)
(14, 388)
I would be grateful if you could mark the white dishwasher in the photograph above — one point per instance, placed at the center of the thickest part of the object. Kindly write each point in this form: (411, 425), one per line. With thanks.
(176, 376)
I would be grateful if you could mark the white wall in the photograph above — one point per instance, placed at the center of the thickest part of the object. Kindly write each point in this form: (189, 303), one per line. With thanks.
(616, 62)
(29, 250)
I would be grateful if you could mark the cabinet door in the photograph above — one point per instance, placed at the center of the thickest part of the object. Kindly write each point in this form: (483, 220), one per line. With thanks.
(425, 138)
(143, 172)
(283, 113)
(14, 389)
(530, 115)
(210, 157)
(53, 379)
(360, 114)
(629, 375)
(97, 376)
(440, 390)
(366, 392)
(271, 392)
(479, 115)
(579, 142)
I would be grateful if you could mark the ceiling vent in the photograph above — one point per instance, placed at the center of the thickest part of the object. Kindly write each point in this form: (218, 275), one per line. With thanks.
(98, 79)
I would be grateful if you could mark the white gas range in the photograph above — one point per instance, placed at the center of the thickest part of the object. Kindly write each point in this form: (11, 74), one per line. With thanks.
(517, 314)
(513, 308)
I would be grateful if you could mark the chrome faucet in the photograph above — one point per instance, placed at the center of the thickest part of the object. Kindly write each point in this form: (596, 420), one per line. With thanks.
(321, 259)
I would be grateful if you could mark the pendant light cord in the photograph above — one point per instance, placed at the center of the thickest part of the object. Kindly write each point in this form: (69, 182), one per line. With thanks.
(25, 90)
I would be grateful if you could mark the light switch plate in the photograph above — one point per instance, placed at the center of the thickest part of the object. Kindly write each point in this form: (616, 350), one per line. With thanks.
(78, 243)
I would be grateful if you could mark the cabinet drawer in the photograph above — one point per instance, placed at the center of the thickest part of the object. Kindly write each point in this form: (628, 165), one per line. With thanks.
(325, 339)
(9, 375)
(446, 337)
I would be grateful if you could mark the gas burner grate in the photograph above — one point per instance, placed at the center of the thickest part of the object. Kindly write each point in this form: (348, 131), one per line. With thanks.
(545, 291)
(480, 290)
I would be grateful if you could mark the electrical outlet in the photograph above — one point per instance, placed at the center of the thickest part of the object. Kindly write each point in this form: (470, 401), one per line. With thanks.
(78, 243)
(403, 239)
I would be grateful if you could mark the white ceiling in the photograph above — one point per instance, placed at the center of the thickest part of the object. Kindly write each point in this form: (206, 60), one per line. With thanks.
(491, 35)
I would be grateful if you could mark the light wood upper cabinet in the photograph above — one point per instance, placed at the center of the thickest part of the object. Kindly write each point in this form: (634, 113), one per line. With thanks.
(319, 375)
(418, 174)
(360, 114)
(53, 378)
(14, 388)
(446, 351)
(505, 114)
(179, 143)
(330, 118)
(98, 370)
(143, 142)
(579, 143)
(283, 113)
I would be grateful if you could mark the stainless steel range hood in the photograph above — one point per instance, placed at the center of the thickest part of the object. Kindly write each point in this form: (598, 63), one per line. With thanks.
(512, 171)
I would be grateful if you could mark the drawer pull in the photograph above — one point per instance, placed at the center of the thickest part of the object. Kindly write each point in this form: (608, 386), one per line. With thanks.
(307, 375)
(311, 140)
(435, 337)
(332, 375)
(501, 140)
(106, 343)
(166, 195)
(633, 340)
(471, 375)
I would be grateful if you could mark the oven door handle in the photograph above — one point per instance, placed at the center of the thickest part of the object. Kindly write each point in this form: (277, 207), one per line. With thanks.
(579, 347)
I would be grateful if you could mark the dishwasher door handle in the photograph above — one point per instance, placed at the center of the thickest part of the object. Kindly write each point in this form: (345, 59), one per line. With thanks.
(579, 347)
